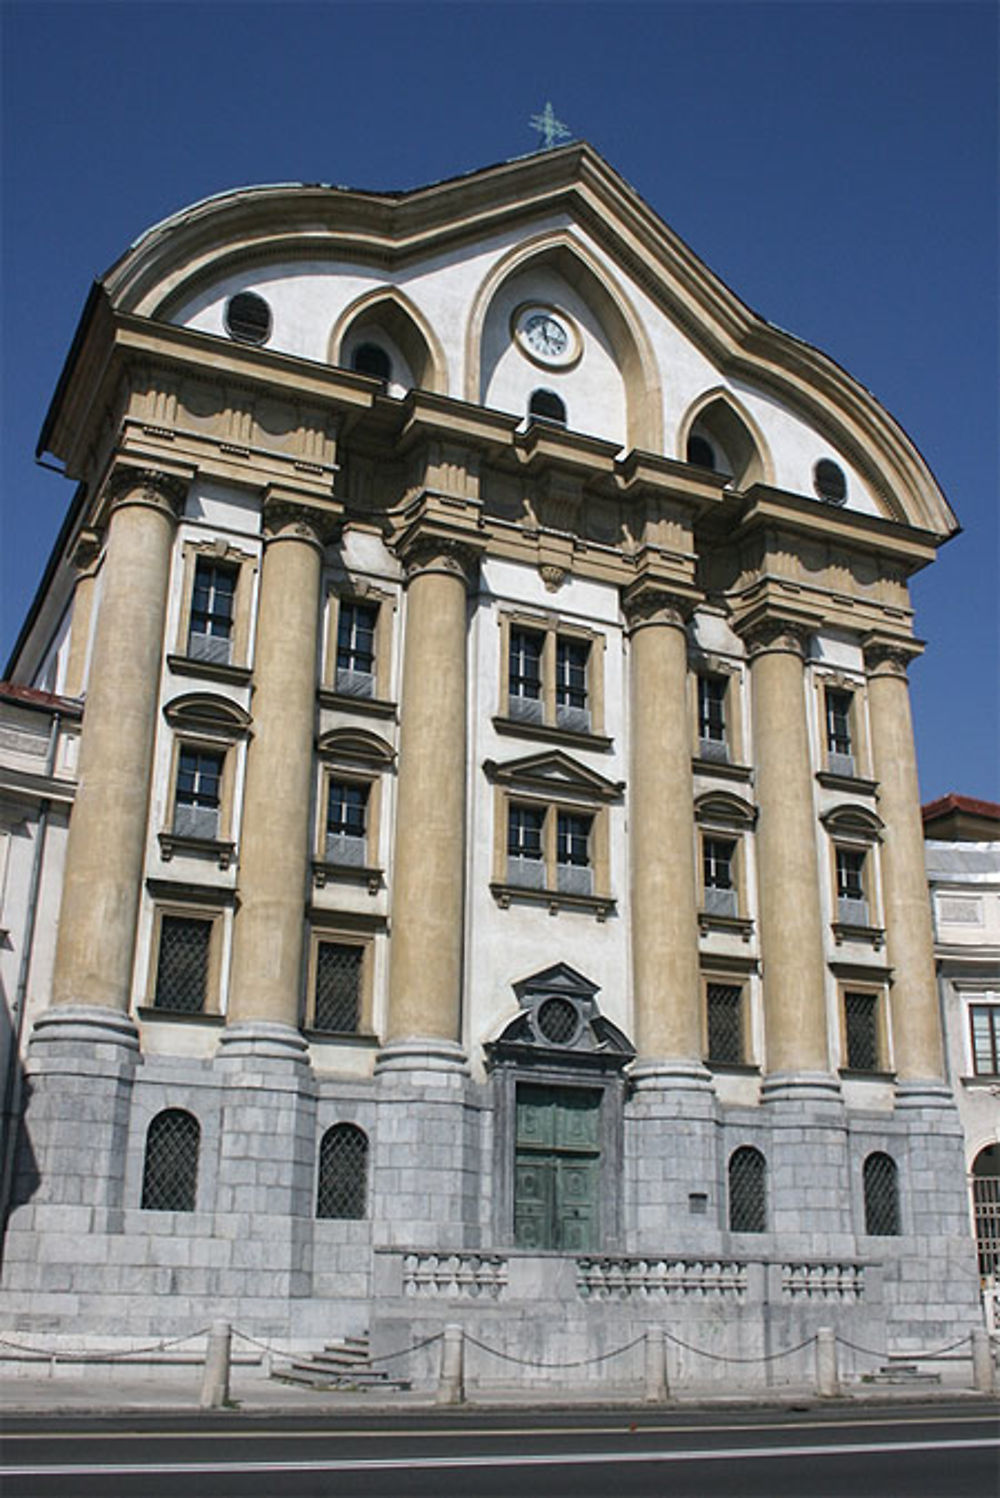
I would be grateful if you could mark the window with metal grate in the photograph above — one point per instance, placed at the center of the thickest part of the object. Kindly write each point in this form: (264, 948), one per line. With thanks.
(338, 987)
(725, 1023)
(861, 1026)
(182, 964)
(342, 1188)
(747, 1191)
(881, 1185)
(558, 1021)
(170, 1172)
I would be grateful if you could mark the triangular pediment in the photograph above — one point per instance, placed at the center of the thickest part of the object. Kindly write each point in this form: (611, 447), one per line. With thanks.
(555, 772)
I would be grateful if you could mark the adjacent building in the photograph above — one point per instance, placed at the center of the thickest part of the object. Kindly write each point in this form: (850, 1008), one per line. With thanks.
(494, 890)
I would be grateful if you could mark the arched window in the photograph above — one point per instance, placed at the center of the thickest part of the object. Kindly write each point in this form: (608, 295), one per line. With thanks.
(700, 452)
(881, 1196)
(372, 359)
(545, 405)
(986, 1207)
(342, 1189)
(170, 1172)
(747, 1191)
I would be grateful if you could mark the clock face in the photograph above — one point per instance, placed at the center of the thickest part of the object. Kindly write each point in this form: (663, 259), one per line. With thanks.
(546, 336)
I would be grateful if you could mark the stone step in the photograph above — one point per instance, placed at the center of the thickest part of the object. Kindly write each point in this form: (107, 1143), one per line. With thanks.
(900, 1373)
(341, 1365)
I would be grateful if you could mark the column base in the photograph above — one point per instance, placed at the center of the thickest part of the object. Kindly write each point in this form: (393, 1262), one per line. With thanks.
(262, 1040)
(670, 1076)
(84, 1024)
(930, 1093)
(802, 1087)
(433, 1060)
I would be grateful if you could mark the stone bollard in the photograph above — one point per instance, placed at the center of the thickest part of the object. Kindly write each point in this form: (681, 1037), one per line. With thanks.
(657, 1386)
(827, 1379)
(451, 1382)
(215, 1383)
(983, 1370)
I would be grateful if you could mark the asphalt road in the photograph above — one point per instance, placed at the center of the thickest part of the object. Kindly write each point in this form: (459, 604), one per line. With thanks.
(926, 1452)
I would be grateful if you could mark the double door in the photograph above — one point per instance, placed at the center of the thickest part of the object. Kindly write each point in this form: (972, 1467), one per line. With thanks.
(557, 1168)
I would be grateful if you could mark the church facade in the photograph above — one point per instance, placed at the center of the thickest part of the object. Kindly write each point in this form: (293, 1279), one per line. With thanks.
(494, 887)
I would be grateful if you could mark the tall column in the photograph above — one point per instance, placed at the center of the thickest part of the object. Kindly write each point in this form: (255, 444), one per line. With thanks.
(425, 973)
(274, 836)
(788, 870)
(664, 908)
(107, 834)
(85, 558)
(917, 1042)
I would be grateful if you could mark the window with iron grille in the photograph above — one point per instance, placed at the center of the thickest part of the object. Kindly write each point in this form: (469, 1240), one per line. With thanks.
(861, 1031)
(747, 1191)
(356, 648)
(986, 1208)
(337, 1000)
(170, 1171)
(182, 964)
(342, 1189)
(211, 630)
(524, 679)
(985, 1021)
(881, 1187)
(196, 805)
(571, 684)
(725, 1023)
(558, 1020)
(346, 822)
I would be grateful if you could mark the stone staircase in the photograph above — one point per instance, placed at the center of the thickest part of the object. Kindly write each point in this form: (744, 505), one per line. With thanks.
(901, 1373)
(341, 1365)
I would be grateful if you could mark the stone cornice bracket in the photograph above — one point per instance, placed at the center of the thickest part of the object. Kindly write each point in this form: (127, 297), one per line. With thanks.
(647, 602)
(886, 657)
(86, 550)
(289, 519)
(454, 557)
(776, 636)
(153, 487)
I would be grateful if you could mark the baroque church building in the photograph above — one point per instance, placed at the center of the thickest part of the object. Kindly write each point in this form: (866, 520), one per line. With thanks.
(493, 891)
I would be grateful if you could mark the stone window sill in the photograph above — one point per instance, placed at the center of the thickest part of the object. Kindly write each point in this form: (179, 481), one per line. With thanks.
(347, 873)
(207, 1020)
(856, 783)
(733, 1068)
(189, 665)
(860, 1074)
(549, 733)
(600, 906)
(198, 847)
(989, 1079)
(723, 769)
(361, 1038)
(873, 935)
(372, 707)
(729, 925)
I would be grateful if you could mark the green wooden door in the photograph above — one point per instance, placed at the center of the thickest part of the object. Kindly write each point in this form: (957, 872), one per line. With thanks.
(557, 1168)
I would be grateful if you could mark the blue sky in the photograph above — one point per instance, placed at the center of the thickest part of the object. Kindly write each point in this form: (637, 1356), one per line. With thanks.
(835, 164)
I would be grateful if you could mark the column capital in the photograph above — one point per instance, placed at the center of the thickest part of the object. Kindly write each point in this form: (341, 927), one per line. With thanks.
(86, 550)
(424, 552)
(648, 601)
(154, 487)
(773, 634)
(885, 656)
(288, 518)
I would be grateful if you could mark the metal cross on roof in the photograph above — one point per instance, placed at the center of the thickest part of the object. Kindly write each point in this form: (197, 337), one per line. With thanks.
(551, 130)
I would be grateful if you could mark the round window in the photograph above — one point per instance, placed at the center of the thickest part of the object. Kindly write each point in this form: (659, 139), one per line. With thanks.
(558, 1021)
(248, 318)
(830, 482)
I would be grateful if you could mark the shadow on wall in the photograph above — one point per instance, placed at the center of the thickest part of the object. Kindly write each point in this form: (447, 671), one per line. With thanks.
(19, 1177)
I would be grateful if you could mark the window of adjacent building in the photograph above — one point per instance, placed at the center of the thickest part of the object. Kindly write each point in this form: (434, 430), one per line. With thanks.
(210, 632)
(182, 964)
(170, 1167)
(985, 1022)
(861, 1038)
(346, 822)
(881, 1192)
(197, 799)
(372, 359)
(336, 1003)
(712, 738)
(852, 900)
(725, 1023)
(718, 869)
(525, 675)
(839, 743)
(574, 875)
(747, 1191)
(342, 1185)
(355, 674)
(545, 405)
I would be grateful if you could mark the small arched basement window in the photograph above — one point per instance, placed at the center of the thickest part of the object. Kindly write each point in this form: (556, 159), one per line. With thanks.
(372, 359)
(747, 1191)
(342, 1188)
(881, 1183)
(545, 405)
(170, 1171)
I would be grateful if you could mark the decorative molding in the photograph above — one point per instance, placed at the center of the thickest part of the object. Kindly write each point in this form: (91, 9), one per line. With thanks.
(776, 635)
(552, 576)
(646, 602)
(424, 553)
(890, 657)
(286, 519)
(146, 486)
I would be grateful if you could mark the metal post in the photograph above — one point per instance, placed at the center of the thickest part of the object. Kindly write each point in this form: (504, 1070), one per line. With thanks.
(657, 1386)
(215, 1383)
(451, 1381)
(827, 1378)
(983, 1371)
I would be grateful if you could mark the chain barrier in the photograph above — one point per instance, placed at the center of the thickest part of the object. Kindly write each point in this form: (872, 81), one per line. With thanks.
(921, 1357)
(67, 1355)
(724, 1357)
(385, 1357)
(601, 1357)
(275, 1352)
